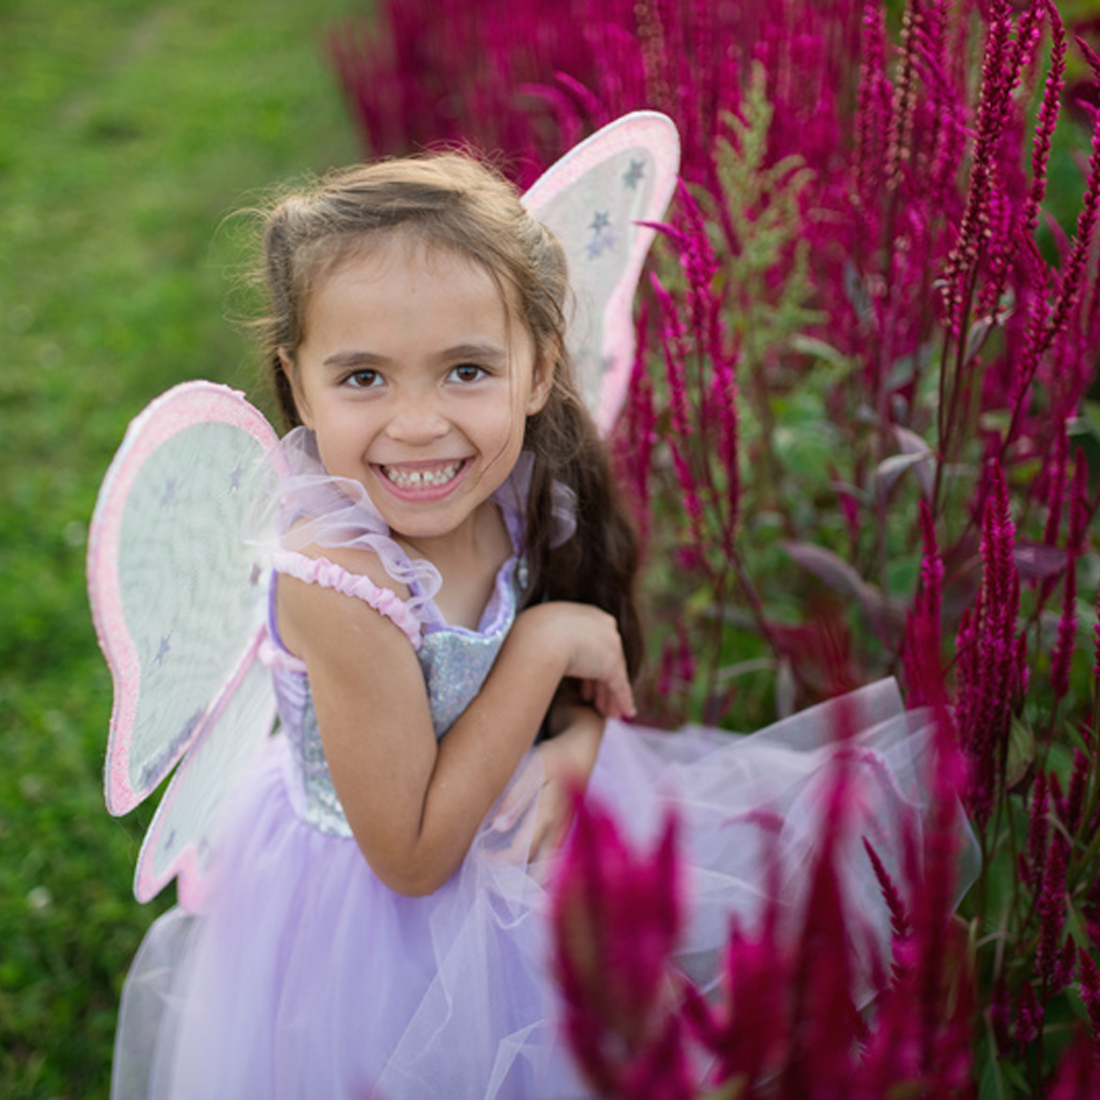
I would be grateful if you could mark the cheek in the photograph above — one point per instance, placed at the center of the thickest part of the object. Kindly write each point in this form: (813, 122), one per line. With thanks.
(509, 426)
(339, 435)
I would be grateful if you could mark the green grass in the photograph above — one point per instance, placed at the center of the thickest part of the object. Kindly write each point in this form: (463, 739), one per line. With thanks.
(129, 131)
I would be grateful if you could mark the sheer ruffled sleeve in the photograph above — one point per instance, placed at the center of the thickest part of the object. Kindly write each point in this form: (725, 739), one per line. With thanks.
(314, 509)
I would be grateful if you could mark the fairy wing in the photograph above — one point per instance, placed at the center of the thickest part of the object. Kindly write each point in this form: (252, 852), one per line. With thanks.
(595, 200)
(178, 592)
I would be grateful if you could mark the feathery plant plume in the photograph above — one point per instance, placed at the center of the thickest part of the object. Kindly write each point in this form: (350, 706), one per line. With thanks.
(1090, 996)
(989, 656)
(923, 644)
(617, 916)
(1079, 514)
(1047, 120)
(1079, 1076)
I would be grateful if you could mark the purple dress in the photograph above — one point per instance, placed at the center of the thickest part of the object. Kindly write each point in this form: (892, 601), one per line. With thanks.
(305, 977)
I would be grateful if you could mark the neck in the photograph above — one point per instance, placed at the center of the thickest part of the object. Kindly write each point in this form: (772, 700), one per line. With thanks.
(468, 564)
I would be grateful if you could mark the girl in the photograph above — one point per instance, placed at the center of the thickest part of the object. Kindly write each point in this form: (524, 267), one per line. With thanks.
(452, 636)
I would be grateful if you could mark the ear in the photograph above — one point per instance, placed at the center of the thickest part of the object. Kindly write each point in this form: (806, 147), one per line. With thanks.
(290, 369)
(543, 381)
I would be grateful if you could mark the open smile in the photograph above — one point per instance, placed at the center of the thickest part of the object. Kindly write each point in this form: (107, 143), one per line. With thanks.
(422, 480)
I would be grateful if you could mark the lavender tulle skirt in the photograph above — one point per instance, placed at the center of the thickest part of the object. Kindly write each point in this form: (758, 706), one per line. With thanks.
(305, 977)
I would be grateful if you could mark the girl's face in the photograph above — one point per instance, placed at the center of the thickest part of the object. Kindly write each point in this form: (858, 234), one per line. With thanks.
(416, 384)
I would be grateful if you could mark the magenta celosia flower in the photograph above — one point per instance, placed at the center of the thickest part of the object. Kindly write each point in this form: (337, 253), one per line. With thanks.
(989, 664)
(617, 916)
(923, 1027)
(1029, 1016)
(1090, 995)
(1096, 641)
(1052, 914)
(1080, 511)
(1078, 1077)
(1055, 472)
(1071, 807)
(1048, 118)
(873, 112)
(998, 79)
(923, 642)
(1073, 272)
(786, 1024)
(1038, 829)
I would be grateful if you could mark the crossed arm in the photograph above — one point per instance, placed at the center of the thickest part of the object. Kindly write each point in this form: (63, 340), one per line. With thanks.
(414, 803)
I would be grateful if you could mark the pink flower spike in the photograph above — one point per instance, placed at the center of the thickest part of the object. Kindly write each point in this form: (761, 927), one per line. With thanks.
(1029, 1016)
(1080, 508)
(900, 925)
(1090, 994)
(1074, 269)
(1052, 913)
(991, 657)
(1067, 632)
(616, 918)
(1078, 1076)
(1039, 825)
(1071, 811)
(1096, 636)
(1048, 119)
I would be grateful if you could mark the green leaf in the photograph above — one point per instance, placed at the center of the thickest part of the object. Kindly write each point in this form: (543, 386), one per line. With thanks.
(991, 1082)
(1021, 752)
(820, 349)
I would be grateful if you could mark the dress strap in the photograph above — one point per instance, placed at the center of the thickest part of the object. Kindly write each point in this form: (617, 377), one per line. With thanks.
(330, 575)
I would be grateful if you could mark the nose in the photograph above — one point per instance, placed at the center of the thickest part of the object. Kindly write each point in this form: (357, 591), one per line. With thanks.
(417, 420)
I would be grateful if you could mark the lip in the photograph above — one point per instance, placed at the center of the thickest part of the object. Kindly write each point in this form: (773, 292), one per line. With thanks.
(425, 494)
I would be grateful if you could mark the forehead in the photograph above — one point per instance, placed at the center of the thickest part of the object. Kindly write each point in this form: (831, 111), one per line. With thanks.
(382, 255)
(400, 291)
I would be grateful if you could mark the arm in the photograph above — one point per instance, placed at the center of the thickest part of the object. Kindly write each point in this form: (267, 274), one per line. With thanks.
(414, 804)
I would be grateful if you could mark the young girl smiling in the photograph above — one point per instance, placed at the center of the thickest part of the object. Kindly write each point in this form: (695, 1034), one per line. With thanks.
(452, 637)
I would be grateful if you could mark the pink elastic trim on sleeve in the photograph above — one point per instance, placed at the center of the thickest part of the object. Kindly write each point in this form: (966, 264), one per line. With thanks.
(329, 575)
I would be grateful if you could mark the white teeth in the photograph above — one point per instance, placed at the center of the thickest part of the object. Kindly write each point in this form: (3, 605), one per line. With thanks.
(419, 479)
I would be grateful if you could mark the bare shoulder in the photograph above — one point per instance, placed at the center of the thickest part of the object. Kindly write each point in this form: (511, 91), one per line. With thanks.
(313, 616)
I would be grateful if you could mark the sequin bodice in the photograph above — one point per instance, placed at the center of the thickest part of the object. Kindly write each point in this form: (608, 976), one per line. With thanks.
(455, 662)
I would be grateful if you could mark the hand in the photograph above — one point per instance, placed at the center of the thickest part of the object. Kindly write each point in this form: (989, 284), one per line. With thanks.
(556, 769)
(592, 652)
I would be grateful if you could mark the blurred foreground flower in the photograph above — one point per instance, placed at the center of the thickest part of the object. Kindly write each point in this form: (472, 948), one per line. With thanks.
(790, 1018)
(617, 918)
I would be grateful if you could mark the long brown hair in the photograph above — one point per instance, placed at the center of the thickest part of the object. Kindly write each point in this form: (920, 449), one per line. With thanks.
(458, 203)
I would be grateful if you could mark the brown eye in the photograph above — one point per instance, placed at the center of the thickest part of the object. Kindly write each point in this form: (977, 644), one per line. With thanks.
(467, 372)
(364, 379)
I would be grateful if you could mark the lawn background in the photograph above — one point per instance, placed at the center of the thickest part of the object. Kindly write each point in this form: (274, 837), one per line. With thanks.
(129, 131)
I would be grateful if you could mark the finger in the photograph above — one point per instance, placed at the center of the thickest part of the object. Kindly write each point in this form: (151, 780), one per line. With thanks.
(528, 841)
(604, 702)
(616, 700)
(621, 695)
(626, 700)
(519, 796)
(548, 825)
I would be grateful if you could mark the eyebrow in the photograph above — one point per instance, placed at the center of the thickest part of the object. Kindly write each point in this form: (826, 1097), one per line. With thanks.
(485, 353)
